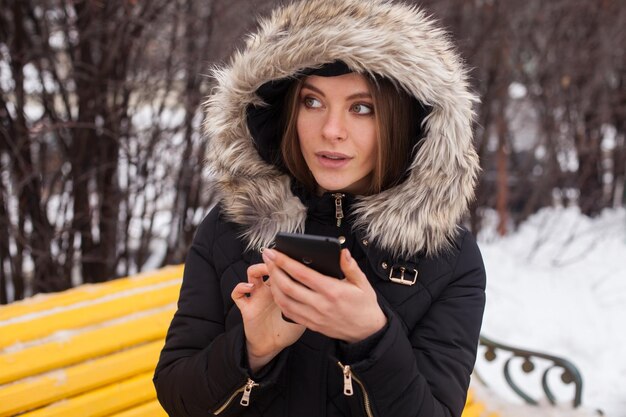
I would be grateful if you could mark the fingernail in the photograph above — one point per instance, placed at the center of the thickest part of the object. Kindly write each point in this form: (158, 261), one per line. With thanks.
(249, 285)
(269, 254)
(347, 255)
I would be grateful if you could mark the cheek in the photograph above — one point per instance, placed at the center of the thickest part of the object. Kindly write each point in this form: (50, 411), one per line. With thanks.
(304, 130)
(369, 145)
(372, 159)
(299, 126)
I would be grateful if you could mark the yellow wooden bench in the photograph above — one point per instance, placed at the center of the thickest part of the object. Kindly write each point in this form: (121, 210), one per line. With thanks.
(474, 407)
(88, 351)
(91, 351)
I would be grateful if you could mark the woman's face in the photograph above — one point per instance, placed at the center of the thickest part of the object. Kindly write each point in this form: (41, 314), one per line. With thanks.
(337, 132)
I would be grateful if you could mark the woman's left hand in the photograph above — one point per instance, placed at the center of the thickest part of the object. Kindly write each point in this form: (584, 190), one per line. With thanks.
(342, 309)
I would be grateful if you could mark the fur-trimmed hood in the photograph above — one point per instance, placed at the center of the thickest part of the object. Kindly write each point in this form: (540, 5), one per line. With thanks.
(378, 37)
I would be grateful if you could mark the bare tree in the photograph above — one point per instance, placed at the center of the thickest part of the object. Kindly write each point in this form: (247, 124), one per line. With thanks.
(568, 57)
(100, 112)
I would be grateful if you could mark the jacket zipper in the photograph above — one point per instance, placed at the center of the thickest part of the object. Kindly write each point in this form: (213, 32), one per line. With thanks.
(348, 377)
(245, 398)
(338, 207)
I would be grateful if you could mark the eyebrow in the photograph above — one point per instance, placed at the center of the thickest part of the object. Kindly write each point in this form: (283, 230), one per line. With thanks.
(350, 97)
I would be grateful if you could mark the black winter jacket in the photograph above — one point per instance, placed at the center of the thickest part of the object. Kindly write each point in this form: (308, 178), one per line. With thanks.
(426, 270)
(418, 365)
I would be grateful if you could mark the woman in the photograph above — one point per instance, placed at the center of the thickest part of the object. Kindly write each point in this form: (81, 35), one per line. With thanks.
(343, 118)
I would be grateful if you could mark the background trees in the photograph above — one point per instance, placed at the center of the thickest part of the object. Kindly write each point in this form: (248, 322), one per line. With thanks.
(100, 142)
(551, 123)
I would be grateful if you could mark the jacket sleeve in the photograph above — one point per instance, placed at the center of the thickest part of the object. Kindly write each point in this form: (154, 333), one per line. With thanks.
(201, 365)
(427, 372)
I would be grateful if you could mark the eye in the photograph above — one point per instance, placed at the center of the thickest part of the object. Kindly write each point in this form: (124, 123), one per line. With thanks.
(311, 102)
(362, 108)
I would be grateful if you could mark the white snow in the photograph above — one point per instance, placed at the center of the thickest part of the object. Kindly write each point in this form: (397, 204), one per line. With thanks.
(517, 91)
(609, 138)
(65, 336)
(76, 306)
(558, 285)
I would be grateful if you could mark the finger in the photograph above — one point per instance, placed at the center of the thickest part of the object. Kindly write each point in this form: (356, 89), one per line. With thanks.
(283, 285)
(256, 273)
(298, 302)
(292, 308)
(240, 291)
(301, 273)
(351, 270)
(302, 314)
(290, 287)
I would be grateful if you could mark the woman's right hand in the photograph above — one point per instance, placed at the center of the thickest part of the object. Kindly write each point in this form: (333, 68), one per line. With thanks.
(266, 332)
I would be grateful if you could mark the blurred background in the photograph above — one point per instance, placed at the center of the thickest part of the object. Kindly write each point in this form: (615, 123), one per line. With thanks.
(100, 112)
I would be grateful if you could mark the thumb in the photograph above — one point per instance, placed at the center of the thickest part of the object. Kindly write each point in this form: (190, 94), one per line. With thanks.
(351, 269)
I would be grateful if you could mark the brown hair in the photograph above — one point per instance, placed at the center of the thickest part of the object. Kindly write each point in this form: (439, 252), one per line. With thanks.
(397, 125)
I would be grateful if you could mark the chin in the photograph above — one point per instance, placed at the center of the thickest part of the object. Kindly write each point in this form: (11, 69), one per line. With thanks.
(333, 187)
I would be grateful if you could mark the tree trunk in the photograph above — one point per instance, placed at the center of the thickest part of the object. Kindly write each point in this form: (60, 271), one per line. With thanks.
(502, 188)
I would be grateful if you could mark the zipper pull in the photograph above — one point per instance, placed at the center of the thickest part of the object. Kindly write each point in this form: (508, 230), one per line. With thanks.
(347, 381)
(338, 207)
(247, 389)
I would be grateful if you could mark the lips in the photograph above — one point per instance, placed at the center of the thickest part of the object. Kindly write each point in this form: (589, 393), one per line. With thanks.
(332, 159)
(332, 155)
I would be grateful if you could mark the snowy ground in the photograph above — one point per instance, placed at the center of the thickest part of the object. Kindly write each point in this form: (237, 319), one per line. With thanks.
(558, 285)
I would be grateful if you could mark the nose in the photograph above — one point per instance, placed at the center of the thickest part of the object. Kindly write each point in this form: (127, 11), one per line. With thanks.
(334, 126)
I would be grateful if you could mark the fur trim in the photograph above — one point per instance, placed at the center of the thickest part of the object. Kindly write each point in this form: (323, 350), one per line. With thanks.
(380, 37)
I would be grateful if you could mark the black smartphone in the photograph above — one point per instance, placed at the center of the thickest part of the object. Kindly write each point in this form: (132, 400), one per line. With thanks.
(320, 253)
(317, 252)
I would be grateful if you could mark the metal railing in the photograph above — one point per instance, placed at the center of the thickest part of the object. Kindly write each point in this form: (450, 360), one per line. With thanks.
(569, 372)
